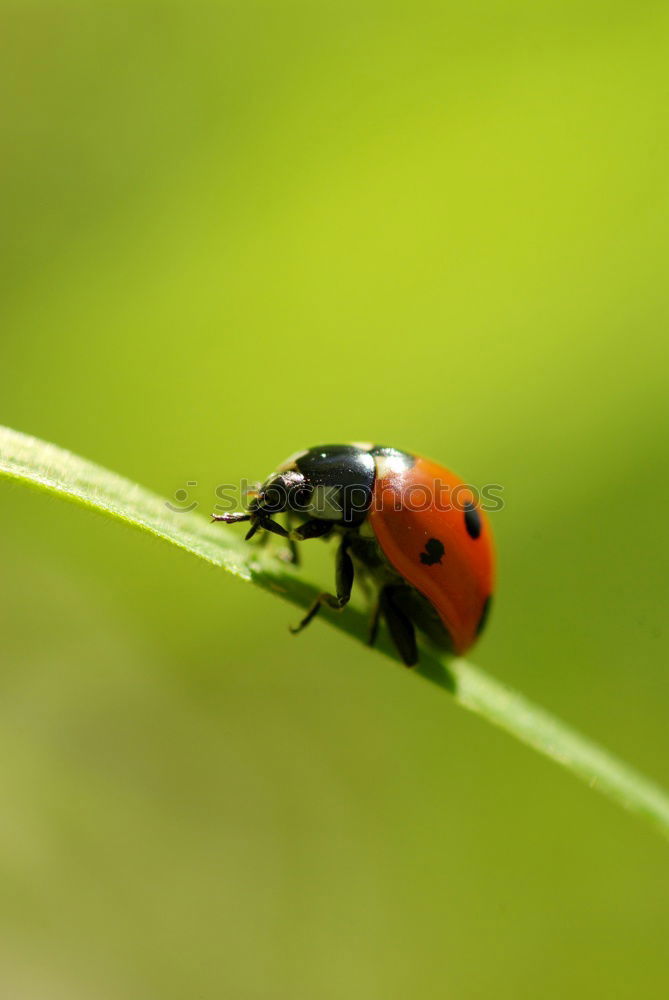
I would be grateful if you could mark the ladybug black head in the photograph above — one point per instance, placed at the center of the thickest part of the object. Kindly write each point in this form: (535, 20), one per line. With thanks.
(282, 491)
(331, 483)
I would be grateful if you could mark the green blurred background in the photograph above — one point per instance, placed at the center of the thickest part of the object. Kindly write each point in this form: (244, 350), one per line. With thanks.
(233, 230)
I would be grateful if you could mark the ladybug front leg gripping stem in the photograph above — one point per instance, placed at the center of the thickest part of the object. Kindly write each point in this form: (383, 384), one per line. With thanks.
(344, 585)
(313, 528)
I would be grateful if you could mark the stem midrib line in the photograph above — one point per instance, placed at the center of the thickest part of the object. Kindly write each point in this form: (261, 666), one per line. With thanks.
(32, 461)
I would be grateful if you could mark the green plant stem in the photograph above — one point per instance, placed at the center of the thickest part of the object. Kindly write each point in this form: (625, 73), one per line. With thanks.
(59, 472)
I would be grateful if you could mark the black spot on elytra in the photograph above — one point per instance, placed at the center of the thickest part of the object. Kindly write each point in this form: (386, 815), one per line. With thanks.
(484, 615)
(472, 520)
(434, 552)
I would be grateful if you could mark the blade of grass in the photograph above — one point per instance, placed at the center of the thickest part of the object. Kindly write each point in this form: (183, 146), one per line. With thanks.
(57, 471)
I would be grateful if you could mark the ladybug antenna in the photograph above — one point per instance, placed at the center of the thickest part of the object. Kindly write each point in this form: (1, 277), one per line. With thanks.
(230, 518)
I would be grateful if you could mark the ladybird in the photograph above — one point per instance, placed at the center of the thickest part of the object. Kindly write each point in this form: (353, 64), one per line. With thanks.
(408, 524)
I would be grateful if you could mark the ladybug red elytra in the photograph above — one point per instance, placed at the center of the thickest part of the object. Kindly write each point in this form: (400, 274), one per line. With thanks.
(407, 523)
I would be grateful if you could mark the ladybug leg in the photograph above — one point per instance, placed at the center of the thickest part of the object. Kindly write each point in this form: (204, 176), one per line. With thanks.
(400, 626)
(374, 620)
(344, 585)
(292, 553)
(309, 529)
(312, 529)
